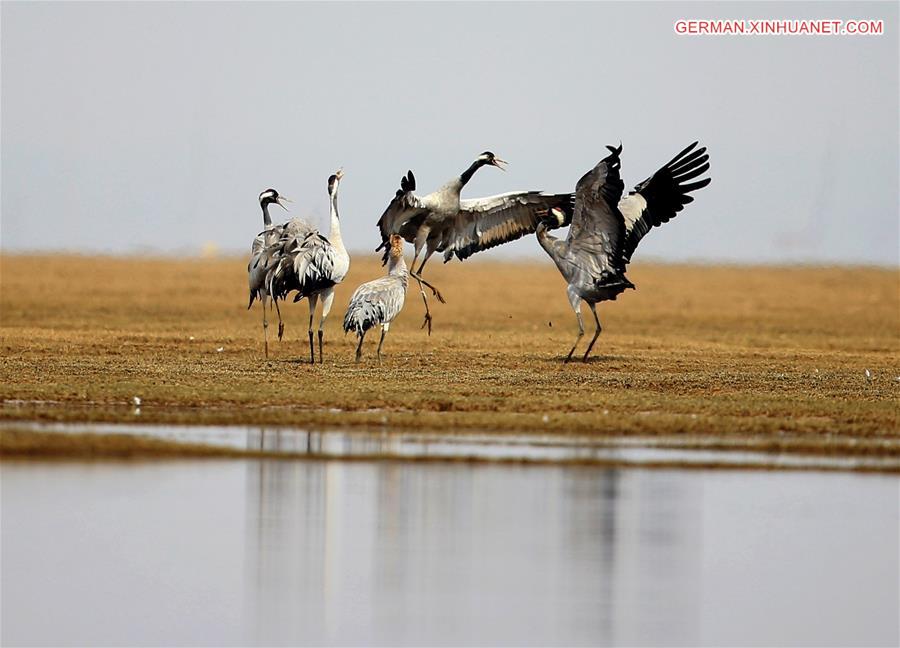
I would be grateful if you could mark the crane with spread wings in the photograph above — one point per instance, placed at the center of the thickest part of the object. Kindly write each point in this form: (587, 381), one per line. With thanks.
(606, 227)
(443, 222)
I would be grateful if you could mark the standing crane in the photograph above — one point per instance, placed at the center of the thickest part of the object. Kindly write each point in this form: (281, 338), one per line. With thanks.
(256, 274)
(606, 228)
(442, 222)
(303, 260)
(379, 301)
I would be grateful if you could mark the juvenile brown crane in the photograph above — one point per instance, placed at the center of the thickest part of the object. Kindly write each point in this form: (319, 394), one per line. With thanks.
(378, 302)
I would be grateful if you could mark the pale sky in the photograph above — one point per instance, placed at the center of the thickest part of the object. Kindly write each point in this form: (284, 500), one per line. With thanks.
(153, 127)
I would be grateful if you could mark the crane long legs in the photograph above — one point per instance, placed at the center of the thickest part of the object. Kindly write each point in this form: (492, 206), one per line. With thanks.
(418, 277)
(280, 321)
(327, 299)
(596, 332)
(576, 305)
(362, 336)
(313, 300)
(580, 332)
(384, 329)
(263, 300)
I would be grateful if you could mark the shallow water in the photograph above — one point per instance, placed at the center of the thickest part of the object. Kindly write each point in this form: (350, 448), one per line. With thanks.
(330, 552)
(656, 450)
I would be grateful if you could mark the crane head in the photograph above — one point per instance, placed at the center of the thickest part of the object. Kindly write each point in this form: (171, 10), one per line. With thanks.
(270, 196)
(396, 246)
(489, 158)
(334, 180)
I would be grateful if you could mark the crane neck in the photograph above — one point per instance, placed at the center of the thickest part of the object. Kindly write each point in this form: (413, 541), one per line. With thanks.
(397, 266)
(267, 220)
(468, 173)
(546, 240)
(335, 235)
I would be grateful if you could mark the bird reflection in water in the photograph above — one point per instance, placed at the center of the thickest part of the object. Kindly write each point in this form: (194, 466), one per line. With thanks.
(407, 552)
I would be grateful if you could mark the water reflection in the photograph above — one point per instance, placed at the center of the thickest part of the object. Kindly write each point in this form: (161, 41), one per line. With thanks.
(385, 442)
(406, 553)
(331, 552)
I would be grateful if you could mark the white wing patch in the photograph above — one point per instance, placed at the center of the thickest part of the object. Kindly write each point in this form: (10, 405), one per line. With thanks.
(632, 207)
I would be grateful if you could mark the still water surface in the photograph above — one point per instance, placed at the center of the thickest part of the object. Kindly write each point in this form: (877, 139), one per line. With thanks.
(331, 552)
(675, 451)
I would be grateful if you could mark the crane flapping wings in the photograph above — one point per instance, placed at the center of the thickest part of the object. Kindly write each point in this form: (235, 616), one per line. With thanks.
(483, 223)
(403, 215)
(598, 227)
(660, 197)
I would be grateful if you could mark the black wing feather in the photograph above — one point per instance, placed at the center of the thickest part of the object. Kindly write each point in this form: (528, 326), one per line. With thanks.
(666, 194)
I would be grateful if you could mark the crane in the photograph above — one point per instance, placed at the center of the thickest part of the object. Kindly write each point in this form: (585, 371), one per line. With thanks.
(256, 275)
(304, 261)
(606, 228)
(378, 302)
(443, 222)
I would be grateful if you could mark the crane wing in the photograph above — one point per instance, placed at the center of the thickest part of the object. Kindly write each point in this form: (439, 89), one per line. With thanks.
(268, 246)
(301, 260)
(375, 302)
(598, 227)
(403, 215)
(660, 197)
(483, 223)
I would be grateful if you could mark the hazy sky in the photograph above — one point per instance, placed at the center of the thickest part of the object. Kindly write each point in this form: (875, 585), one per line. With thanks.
(153, 127)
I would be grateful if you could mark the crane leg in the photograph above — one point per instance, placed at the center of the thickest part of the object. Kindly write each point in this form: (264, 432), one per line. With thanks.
(280, 322)
(327, 300)
(384, 329)
(263, 301)
(434, 291)
(580, 333)
(418, 273)
(313, 300)
(427, 321)
(418, 277)
(362, 336)
(596, 332)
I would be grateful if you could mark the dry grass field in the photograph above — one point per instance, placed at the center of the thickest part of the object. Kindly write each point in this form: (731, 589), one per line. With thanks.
(738, 356)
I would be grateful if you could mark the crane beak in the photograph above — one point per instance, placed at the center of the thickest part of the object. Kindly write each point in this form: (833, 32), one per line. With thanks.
(280, 198)
(339, 173)
(497, 162)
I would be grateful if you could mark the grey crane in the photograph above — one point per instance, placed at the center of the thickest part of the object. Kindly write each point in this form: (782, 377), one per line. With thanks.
(606, 228)
(304, 261)
(442, 222)
(256, 275)
(379, 301)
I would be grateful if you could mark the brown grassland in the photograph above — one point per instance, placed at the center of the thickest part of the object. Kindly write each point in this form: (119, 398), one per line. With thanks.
(756, 357)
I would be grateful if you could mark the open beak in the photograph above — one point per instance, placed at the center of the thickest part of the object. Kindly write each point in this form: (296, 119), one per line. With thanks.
(339, 173)
(497, 162)
(280, 198)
